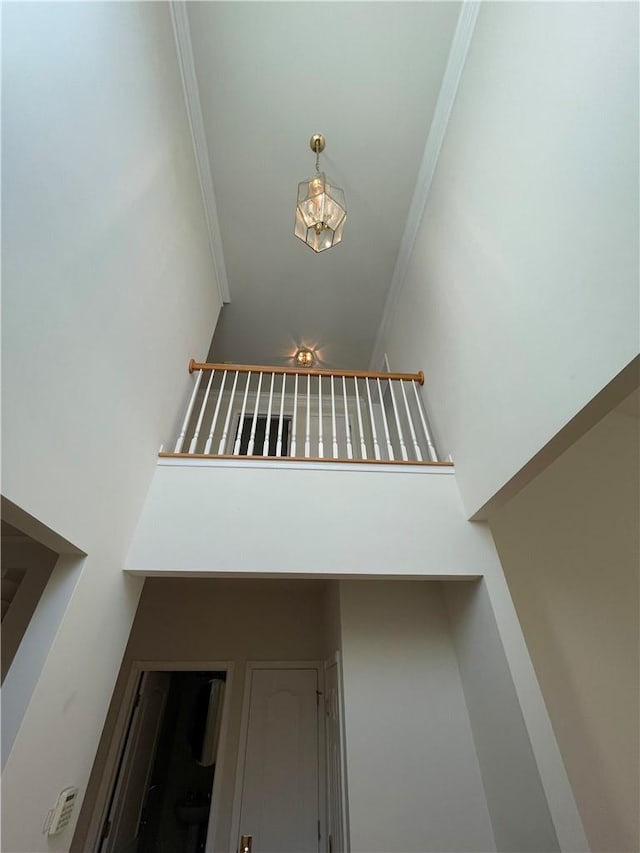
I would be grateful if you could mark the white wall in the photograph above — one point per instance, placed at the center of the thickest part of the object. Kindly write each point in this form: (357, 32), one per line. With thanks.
(290, 519)
(333, 622)
(293, 519)
(517, 804)
(569, 543)
(521, 297)
(218, 620)
(107, 291)
(414, 780)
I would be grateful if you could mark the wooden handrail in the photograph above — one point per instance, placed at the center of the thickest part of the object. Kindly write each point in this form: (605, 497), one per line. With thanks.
(343, 460)
(306, 371)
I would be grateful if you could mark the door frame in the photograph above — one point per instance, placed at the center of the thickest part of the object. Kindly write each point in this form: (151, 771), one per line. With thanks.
(336, 660)
(117, 745)
(137, 731)
(252, 665)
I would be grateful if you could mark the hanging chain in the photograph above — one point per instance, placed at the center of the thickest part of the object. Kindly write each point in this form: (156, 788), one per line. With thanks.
(317, 158)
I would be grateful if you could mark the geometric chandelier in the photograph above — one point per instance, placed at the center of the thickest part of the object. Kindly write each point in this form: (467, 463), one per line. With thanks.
(321, 211)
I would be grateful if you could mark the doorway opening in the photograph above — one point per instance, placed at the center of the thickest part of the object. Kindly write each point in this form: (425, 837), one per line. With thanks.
(26, 568)
(260, 430)
(161, 798)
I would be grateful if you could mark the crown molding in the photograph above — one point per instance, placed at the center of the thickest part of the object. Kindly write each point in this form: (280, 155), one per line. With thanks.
(186, 62)
(446, 97)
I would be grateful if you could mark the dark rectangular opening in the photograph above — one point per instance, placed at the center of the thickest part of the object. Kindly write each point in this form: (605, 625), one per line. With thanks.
(261, 428)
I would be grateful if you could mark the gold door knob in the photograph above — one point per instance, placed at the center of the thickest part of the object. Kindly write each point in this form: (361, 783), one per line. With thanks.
(245, 843)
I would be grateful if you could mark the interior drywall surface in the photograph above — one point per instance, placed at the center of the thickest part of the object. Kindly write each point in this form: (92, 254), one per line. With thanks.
(521, 297)
(107, 291)
(219, 620)
(414, 780)
(553, 775)
(339, 521)
(517, 804)
(333, 627)
(569, 546)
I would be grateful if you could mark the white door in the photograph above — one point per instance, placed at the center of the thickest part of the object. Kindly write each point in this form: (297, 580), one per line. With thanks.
(336, 824)
(137, 762)
(279, 793)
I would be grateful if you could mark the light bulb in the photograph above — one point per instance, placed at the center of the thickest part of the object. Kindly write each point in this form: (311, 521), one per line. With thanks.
(304, 358)
(316, 185)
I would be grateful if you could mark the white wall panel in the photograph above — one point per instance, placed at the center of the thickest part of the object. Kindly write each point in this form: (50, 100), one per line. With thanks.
(286, 519)
(519, 811)
(521, 297)
(413, 775)
(107, 291)
(570, 545)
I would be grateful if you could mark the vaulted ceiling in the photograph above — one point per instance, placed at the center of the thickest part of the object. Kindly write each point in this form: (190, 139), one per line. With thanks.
(269, 74)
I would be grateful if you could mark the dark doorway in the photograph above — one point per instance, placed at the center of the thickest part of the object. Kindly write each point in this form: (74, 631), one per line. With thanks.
(162, 795)
(261, 428)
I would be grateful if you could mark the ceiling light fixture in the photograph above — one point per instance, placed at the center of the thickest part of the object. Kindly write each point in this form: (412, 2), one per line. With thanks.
(304, 358)
(321, 211)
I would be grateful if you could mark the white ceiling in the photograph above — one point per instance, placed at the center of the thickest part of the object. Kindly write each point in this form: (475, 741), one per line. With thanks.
(367, 75)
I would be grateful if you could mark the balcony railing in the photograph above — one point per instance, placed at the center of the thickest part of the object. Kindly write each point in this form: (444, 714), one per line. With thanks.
(250, 411)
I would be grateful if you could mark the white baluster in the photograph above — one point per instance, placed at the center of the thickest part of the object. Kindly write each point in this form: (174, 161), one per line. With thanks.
(207, 446)
(414, 438)
(227, 420)
(294, 423)
(267, 429)
(320, 444)
(363, 446)
(346, 420)
(374, 433)
(196, 432)
(403, 449)
(333, 421)
(252, 439)
(384, 421)
(187, 417)
(433, 456)
(236, 446)
(307, 434)
(280, 419)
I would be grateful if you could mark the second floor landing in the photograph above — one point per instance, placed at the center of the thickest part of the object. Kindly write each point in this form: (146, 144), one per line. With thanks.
(304, 414)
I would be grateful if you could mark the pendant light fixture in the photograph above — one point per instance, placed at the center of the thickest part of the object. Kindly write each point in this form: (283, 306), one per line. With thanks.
(321, 211)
